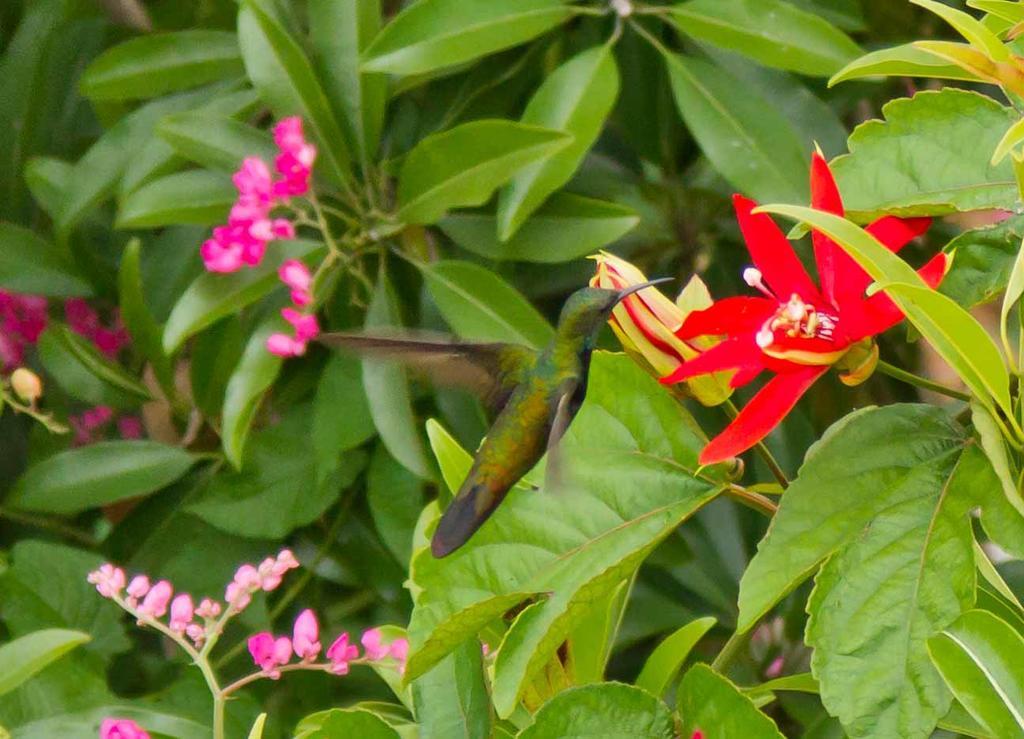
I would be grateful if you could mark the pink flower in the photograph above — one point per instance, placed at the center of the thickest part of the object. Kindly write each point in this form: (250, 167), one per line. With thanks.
(305, 634)
(295, 275)
(285, 561)
(219, 256)
(400, 650)
(340, 653)
(270, 574)
(253, 181)
(109, 580)
(208, 609)
(137, 588)
(295, 162)
(22, 319)
(269, 653)
(697, 734)
(121, 728)
(371, 641)
(130, 427)
(284, 345)
(237, 597)
(306, 326)
(81, 318)
(181, 612)
(288, 134)
(156, 600)
(196, 633)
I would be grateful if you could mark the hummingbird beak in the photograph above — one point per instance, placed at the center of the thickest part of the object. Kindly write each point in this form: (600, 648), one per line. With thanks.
(637, 288)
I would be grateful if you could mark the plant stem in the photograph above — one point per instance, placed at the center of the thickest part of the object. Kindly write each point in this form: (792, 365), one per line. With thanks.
(294, 667)
(753, 500)
(925, 384)
(731, 650)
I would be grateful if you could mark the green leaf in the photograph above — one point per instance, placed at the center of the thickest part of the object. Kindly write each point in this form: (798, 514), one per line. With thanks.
(432, 34)
(629, 437)
(30, 264)
(341, 30)
(929, 156)
(1014, 291)
(256, 732)
(99, 365)
(341, 414)
(78, 479)
(478, 304)
(24, 657)
(255, 373)
(605, 709)
(952, 331)
(213, 296)
(576, 98)
(464, 165)
(283, 74)
(981, 659)
(395, 498)
(213, 357)
(138, 319)
(742, 134)
(47, 178)
(451, 700)
(713, 705)
(84, 724)
(196, 196)
(79, 381)
(153, 65)
(667, 659)
(564, 228)
(901, 61)
(1011, 12)
(984, 258)
(215, 141)
(772, 32)
(884, 498)
(280, 486)
(976, 32)
(346, 723)
(387, 391)
(1014, 135)
(45, 587)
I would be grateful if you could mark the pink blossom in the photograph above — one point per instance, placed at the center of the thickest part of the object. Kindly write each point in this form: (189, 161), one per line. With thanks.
(697, 734)
(775, 668)
(130, 427)
(284, 345)
(288, 134)
(81, 318)
(248, 577)
(305, 634)
(219, 256)
(181, 612)
(371, 641)
(156, 600)
(268, 653)
(137, 588)
(253, 181)
(340, 653)
(237, 597)
(196, 633)
(22, 319)
(295, 275)
(121, 728)
(306, 326)
(400, 650)
(109, 580)
(208, 609)
(285, 561)
(270, 578)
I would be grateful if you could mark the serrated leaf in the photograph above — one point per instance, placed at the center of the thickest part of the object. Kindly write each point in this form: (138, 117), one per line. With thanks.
(743, 135)
(714, 706)
(479, 305)
(984, 258)
(901, 61)
(564, 228)
(605, 709)
(196, 196)
(466, 164)
(575, 98)
(155, 64)
(72, 481)
(25, 656)
(883, 497)
(772, 32)
(667, 659)
(432, 34)
(578, 546)
(283, 74)
(213, 296)
(929, 156)
(33, 265)
(981, 659)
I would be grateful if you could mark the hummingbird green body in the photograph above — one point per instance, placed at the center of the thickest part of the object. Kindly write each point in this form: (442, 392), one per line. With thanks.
(537, 395)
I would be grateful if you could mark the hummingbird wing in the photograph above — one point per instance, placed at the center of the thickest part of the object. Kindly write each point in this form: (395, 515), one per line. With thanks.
(565, 411)
(492, 371)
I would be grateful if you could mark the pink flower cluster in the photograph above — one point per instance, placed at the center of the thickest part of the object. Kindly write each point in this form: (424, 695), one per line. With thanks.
(271, 653)
(89, 424)
(122, 728)
(151, 602)
(22, 319)
(250, 227)
(297, 277)
(83, 319)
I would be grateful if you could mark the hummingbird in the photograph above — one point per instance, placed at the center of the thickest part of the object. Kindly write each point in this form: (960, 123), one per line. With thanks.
(536, 394)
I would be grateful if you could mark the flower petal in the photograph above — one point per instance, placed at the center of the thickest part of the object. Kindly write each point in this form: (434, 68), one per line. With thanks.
(740, 353)
(881, 314)
(727, 316)
(893, 233)
(762, 414)
(833, 262)
(772, 253)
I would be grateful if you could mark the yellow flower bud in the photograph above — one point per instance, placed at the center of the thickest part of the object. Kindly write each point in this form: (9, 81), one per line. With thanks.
(26, 385)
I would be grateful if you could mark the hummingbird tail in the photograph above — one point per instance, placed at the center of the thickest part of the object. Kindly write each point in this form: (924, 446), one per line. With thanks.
(466, 513)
